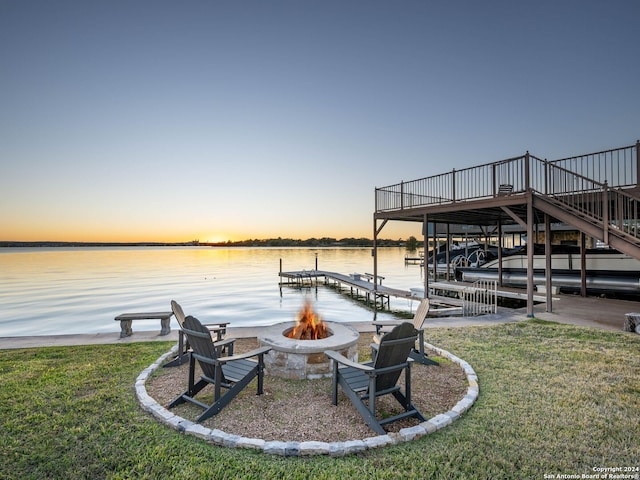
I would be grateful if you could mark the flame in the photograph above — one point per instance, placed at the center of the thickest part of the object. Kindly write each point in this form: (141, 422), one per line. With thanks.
(309, 326)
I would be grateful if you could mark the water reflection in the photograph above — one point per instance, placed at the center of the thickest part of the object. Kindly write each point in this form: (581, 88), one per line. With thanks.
(81, 290)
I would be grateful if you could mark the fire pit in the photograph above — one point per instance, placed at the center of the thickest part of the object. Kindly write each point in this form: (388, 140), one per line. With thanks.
(298, 358)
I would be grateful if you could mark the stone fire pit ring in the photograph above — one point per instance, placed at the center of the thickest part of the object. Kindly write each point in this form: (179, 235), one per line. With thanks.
(305, 359)
(308, 448)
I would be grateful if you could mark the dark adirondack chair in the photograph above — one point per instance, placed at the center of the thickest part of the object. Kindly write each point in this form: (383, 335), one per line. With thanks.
(364, 382)
(219, 329)
(419, 355)
(232, 373)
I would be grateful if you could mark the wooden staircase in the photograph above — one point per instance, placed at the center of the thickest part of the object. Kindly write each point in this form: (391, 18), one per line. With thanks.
(611, 215)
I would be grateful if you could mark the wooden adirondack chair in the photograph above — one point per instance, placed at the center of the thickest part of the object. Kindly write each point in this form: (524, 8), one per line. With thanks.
(220, 329)
(232, 373)
(419, 355)
(364, 382)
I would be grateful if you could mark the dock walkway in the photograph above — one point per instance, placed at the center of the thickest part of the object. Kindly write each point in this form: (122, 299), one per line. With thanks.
(359, 284)
(444, 294)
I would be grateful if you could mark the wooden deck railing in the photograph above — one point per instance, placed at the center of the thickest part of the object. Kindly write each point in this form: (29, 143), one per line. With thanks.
(618, 168)
(456, 186)
(591, 186)
(612, 209)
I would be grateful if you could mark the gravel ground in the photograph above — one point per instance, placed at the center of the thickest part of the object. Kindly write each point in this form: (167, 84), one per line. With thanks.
(301, 410)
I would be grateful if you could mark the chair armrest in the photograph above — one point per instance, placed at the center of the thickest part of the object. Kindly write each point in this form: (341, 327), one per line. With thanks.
(219, 329)
(224, 343)
(220, 345)
(391, 323)
(216, 329)
(387, 323)
(342, 360)
(218, 325)
(241, 356)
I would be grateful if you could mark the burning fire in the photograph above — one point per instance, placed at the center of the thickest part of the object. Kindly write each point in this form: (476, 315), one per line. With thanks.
(310, 326)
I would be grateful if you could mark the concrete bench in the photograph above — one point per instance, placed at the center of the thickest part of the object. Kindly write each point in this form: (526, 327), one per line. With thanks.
(125, 320)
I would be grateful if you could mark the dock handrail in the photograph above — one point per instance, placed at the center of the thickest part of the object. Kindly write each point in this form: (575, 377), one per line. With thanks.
(480, 298)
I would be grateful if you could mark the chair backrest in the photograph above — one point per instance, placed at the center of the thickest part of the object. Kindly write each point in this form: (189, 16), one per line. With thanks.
(421, 314)
(178, 312)
(200, 340)
(394, 349)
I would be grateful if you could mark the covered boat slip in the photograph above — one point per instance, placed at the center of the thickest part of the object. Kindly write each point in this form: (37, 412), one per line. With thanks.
(596, 194)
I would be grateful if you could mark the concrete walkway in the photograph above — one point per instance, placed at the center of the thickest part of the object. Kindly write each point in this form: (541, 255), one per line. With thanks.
(588, 312)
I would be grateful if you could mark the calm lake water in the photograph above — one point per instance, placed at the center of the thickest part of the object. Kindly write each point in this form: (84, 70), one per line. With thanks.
(45, 291)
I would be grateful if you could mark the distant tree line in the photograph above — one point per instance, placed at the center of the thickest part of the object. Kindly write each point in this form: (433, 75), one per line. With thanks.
(309, 242)
(271, 242)
(95, 244)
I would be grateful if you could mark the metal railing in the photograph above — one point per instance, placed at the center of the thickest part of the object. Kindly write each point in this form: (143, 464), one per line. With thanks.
(590, 186)
(615, 168)
(612, 209)
(623, 215)
(583, 195)
(472, 183)
(480, 298)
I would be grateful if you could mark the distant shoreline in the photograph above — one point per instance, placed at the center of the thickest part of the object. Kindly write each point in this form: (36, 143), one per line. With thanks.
(96, 244)
(277, 242)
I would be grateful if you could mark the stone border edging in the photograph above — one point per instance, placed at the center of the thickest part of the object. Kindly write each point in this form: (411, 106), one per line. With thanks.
(336, 449)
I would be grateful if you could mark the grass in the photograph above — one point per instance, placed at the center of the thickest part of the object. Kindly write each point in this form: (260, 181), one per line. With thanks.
(554, 399)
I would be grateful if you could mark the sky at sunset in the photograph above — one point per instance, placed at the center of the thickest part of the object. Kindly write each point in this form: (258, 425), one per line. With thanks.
(228, 120)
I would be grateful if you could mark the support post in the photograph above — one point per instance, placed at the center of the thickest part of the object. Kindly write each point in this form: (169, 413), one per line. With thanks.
(448, 247)
(583, 265)
(500, 253)
(527, 173)
(374, 252)
(605, 213)
(546, 177)
(637, 162)
(529, 254)
(453, 185)
(495, 180)
(425, 243)
(548, 266)
(435, 244)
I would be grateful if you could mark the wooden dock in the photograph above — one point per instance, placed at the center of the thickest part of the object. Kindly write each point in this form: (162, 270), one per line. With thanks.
(358, 284)
(413, 260)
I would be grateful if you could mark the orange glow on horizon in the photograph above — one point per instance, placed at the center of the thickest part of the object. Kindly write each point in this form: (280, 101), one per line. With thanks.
(95, 231)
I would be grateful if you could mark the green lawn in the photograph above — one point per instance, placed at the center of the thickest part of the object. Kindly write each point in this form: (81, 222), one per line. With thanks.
(554, 399)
